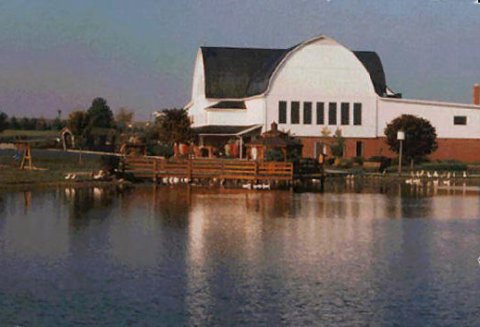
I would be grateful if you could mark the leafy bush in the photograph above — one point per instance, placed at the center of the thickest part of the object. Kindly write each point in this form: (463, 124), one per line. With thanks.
(294, 155)
(377, 159)
(164, 150)
(274, 155)
(110, 163)
(358, 160)
(308, 166)
(450, 165)
(385, 162)
(346, 163)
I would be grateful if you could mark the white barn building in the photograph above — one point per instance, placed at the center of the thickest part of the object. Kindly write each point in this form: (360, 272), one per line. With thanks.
(315, 87)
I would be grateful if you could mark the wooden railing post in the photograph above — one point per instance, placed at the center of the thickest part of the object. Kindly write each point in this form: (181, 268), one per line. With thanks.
(155, 168)
(256, 171)
(190, 169)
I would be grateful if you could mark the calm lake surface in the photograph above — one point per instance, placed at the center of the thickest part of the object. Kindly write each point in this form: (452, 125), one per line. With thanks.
(175, 256)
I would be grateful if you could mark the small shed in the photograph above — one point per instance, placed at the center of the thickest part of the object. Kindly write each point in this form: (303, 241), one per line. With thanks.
(275, 141)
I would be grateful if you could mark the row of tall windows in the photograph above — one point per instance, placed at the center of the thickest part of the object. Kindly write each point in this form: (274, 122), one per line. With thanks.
(319, 113)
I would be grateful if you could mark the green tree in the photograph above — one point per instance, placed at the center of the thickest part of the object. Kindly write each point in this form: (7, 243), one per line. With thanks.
(41, 124)
(420, 136)
(78, 123)
(14, 123)
(338, 145)
(3, 121)
(173, 126)
(27, 124)
(123, 118)
(57, 124)
(99, 114)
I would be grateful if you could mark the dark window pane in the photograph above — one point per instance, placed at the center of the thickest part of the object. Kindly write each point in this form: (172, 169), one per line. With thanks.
(332, 113)
(345, 113)
(307, 112)
(359, 149)
(460, 120)
(282, 112)
(295, 114)
(320, 113)
(357, 114)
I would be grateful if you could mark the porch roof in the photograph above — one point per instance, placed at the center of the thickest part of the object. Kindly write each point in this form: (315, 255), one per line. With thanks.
(229, 105)
(225, 130)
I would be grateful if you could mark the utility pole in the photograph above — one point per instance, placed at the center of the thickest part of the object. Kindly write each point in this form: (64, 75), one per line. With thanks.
(401, 138)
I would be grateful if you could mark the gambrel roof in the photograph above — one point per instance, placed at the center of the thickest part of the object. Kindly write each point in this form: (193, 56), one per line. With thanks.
(236, 73)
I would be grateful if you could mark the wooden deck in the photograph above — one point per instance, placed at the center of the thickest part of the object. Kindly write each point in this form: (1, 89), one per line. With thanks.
(221, 169)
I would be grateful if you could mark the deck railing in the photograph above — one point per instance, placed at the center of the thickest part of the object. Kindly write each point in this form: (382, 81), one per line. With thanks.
(232, 169)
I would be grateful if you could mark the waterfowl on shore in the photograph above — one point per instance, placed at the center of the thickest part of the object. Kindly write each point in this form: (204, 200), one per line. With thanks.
(413, 181)
(101, 174)
(247, 186)
(350, 177)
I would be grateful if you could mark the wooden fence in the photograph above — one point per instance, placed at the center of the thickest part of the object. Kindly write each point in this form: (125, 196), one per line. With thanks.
(151, 167)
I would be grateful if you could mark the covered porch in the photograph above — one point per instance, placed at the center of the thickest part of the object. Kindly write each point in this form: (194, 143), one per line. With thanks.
(227, 141)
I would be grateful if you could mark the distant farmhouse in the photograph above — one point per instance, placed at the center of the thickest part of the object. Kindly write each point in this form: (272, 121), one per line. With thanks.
(311, 90)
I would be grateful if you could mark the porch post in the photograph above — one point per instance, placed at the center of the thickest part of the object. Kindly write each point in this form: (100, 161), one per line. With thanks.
(241, 147)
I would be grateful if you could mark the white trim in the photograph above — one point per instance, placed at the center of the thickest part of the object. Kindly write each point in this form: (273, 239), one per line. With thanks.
(225, 109)
(188, 105)
(432, 103)
(250, 129)
(261, 95)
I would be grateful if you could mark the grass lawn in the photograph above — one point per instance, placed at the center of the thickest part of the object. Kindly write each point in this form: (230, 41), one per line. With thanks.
(14, 132)
(56, 163)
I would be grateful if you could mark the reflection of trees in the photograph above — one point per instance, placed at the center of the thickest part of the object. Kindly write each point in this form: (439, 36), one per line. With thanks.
(87, 204)
(272, 204)
(415, 207)
(172, 206)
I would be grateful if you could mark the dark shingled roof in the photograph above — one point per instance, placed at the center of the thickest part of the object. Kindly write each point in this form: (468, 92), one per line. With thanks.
(222, 129)
(229, 105)
(238, 72)
(371, 61)
(243, 72)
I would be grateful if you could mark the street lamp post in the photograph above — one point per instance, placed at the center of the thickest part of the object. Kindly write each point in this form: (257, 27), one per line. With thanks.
(401, 138)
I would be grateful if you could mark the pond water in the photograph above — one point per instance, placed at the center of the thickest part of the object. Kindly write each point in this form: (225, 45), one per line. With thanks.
(179, 256)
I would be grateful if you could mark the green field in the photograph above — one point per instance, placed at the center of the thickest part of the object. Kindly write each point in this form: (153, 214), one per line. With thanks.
(54, 166)
(22, 133)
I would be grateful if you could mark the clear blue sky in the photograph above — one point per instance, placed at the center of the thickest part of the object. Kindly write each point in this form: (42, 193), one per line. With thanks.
(60, 54)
